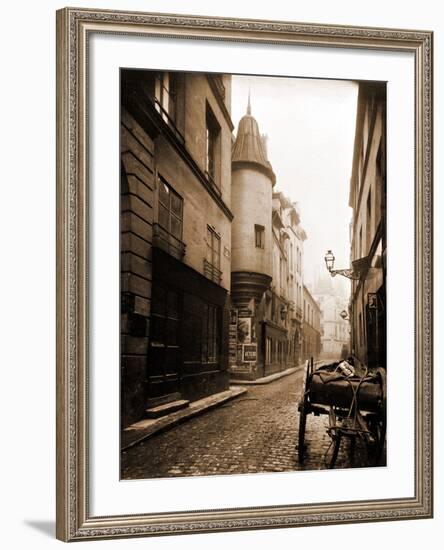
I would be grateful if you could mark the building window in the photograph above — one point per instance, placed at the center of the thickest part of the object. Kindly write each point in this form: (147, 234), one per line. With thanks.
(281, 275)
(368, 226)
(164, 331)
(212, 148)
(259, 234)
(166, 96)
(283, 351)
(167, 232)
(268, 350)
(170, 210)
(201, 333)
(192, 324)
(212, 261)
(210, 334)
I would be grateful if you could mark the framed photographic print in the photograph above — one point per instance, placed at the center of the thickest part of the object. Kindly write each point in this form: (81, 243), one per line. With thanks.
(244, 274)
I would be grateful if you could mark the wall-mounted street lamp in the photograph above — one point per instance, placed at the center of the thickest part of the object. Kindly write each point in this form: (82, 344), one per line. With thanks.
(353, 273)
(329, 260)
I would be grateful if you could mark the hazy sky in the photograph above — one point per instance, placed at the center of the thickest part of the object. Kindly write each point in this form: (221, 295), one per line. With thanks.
(310, 126)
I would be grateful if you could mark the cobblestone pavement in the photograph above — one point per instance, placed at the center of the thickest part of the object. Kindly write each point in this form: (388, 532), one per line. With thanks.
(253, 433)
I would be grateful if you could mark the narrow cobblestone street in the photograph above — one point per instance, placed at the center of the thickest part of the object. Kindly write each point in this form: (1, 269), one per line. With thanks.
(253, 433)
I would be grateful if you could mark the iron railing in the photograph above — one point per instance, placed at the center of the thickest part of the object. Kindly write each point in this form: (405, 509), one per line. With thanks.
(212, 272)
(167, 242)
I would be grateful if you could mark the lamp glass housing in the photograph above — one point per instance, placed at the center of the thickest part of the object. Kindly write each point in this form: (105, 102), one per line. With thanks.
(329, 260)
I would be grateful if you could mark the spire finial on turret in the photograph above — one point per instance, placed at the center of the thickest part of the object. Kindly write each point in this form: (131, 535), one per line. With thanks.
(249, 102)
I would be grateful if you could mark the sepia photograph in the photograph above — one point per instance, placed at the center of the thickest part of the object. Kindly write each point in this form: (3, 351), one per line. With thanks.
(252, 274)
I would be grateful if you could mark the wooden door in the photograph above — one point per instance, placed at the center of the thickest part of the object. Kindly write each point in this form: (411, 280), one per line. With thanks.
(164, 356)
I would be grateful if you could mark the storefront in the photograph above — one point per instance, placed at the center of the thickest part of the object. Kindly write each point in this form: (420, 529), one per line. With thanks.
(277, 348)
(188, 349)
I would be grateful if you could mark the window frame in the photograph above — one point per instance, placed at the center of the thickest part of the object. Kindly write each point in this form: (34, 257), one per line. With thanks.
(259, 231)
(214, 237)
(165, 93)
(212, 147)
(169, 208)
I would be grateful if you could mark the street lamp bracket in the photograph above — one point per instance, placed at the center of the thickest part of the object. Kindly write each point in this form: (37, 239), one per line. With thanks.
(358, 269)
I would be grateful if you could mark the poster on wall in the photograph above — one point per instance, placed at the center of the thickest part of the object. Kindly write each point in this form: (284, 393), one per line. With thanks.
(244, 330)
(250, 353)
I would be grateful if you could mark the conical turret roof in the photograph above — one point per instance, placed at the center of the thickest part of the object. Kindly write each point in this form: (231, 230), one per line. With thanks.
(248, 147)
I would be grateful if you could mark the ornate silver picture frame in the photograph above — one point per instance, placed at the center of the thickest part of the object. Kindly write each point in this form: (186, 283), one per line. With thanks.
(76, 519)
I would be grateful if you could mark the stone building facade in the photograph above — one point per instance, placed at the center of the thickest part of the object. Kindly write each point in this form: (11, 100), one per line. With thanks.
(277, 322)
(283, 319)
(335, 330)
(368, 228)
(175, 237)
(311, 344)
(295, 249)
(211, 257)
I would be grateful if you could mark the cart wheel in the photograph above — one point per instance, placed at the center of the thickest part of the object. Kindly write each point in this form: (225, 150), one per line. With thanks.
(301, 434)
(379, 425)
(303, 408)
(382, 424)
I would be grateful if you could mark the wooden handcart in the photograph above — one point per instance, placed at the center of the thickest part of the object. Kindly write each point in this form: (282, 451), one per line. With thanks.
(355, 405)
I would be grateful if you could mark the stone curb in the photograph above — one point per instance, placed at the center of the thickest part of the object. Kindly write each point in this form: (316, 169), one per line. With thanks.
(267, 379)
(148, 427)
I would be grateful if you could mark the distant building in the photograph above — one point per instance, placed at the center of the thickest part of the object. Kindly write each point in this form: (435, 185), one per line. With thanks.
(284, 302)
(368, 228)
(297, 237)
(279, 351)
(311, 339)
(335, 330)
(175, 237)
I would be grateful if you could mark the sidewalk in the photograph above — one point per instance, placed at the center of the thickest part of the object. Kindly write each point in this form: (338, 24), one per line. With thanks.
(145, 428)
(268, 379)
(148, 427)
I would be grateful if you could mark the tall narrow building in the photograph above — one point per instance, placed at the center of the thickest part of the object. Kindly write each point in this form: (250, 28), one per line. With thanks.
(251, 245)
(251, 197)
(368, 230)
